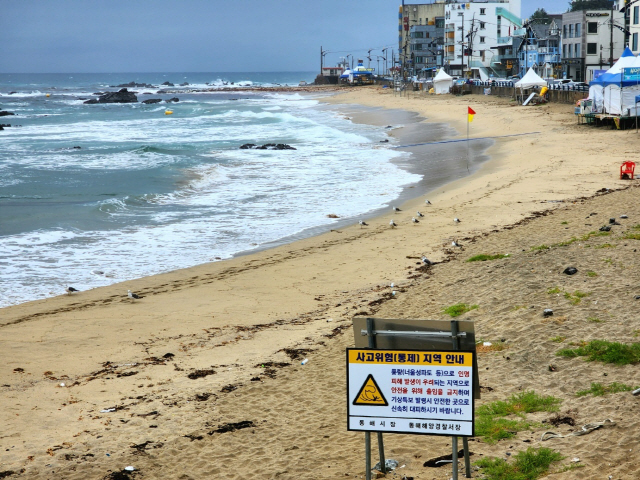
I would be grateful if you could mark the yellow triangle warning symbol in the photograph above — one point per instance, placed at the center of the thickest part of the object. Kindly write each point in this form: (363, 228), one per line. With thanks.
(370, 394)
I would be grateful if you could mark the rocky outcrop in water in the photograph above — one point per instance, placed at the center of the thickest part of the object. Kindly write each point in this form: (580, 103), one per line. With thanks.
(174, 99)
(133, 85)
(168, 84)
(152, 100)
(121, 96)
(267, 146)
(4, 113)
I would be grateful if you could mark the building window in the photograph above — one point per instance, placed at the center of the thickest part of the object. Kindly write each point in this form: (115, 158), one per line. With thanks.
(634, 41)
(592, 48)
(439, 22)
(481, 39)
(577, 29)
(577, 50)
(635, 15)
(564, 50)
(571, 30)
(483, 25)
(483, 11)
(592, 27)
(417, 34)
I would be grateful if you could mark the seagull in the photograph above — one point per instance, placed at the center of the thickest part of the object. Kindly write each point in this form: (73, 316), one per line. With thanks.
(363, 223)
(419, 214)
(427, 202)
(455, 244)
(133, 296)
(415, 220)
(392, 224)
(70, 290)
(456, 220)
(425, 260)
(396, 209)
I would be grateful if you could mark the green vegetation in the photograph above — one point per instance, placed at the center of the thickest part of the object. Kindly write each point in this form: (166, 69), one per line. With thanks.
(558, 339)
(591, 274)
(490, 421)
(554, 290)
(608, 260)
(484, 257)
(529, 464)
(631, 236)
(564, 223)
(541, 247)
(458, 309)
(605, 351)
(518, 307)
(594, 320)
(576, 296)
(598, 390)
(605, 245)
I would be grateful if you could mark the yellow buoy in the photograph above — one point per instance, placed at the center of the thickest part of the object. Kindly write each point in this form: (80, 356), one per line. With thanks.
(48, 94)
(168, 112)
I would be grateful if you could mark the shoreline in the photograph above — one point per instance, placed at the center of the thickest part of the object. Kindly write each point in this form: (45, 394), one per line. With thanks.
(237, 316)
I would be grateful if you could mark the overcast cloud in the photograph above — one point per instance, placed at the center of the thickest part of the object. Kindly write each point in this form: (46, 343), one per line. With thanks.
(196, 35)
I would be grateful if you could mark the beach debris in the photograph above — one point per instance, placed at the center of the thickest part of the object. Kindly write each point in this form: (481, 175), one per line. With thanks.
(455, 244)
(133, 296)
(415, 220)
(418, 214)
(363, 223)
(232, 427)
(612, 221)
(392, 224)
(129, 468)
(443, 460)
(605, 228)
(636, 392)
(392, 285)
(587, 428)
(389, 464)
(637, 297)
(107, 410)
(96, 272)
(70, 290)
(425, 260)
(201, 373)
(396, 209)
(624, 216)
(427, 202)
(329, 320)
(393, 293)
(570, 271)
(575, 459)
(486, 344)
(547, 312)
(552, 368)
(332, 215)
(62, 384)
(456, 220)
(304, 362)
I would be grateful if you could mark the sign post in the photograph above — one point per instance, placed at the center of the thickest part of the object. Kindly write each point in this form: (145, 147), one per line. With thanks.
(415, 377)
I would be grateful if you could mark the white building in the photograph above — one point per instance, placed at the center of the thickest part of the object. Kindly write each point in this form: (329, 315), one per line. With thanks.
(634, 27)
(475, 28)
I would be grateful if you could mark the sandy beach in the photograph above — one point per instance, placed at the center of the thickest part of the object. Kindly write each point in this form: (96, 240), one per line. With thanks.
(202, 377)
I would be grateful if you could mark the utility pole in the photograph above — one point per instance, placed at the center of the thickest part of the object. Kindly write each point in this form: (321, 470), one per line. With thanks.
(471, 34)
(321, 59)
(462, 44)
(611, 38)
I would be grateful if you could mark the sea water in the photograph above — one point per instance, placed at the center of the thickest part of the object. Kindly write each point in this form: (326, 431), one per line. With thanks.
(96, 194)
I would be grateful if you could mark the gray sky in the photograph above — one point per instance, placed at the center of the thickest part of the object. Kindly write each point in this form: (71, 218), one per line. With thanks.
(196, 35)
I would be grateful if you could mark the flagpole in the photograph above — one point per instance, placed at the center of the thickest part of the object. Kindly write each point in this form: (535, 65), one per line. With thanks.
(468, 122)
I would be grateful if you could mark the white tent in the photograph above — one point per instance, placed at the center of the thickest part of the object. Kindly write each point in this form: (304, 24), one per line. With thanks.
(531, 79)
(442, 82)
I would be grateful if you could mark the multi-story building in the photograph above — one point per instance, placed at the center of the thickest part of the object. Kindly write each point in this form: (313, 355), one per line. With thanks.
(633, 24)
(426, 46)
(591, 40)
(414, 22)
(476, 32)
(541, 49)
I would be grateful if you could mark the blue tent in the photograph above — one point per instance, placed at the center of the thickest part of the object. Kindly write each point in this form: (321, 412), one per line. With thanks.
(614, 78)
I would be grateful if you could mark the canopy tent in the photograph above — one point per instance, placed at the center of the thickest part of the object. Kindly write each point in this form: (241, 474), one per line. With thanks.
(531, 79)
(611, 93)
(442, 82)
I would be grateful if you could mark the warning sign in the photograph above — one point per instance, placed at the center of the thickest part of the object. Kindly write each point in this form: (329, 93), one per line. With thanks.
(410, 391)
(370, 394)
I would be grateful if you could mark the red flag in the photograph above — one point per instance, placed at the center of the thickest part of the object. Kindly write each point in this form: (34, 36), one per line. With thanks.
(471, 112)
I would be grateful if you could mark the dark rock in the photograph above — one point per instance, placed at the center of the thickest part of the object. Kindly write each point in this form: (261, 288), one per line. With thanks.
(91, 102)
(11, 93)
(605, 228)
(5, 124)
(134, 84)
(168, 84)
(1, 127)
(97, 94)
(547, 312)
(612, 221)
(624, 216)
(152, 100)
(174, 99)
(121, 96)
(570, 270)
(247, 146)
(637, 297)
(4, 113)
(184, 84)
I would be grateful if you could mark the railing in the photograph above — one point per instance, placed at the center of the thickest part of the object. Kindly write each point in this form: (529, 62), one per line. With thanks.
(509, 83)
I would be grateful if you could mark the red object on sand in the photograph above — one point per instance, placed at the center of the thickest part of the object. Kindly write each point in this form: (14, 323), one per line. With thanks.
(628, 168)
(470, 111)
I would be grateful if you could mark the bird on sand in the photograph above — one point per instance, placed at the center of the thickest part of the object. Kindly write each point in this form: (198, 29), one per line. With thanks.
(427, 202)
(455, 244)
(363, 223)
(425, 260)
(133, 296)
(392, 224)
(396, 209)
(456, 220)
(418, 214)
(70, 290)
(415, 220)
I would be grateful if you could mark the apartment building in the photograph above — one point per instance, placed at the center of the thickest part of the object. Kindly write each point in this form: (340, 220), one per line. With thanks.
(419, 28)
